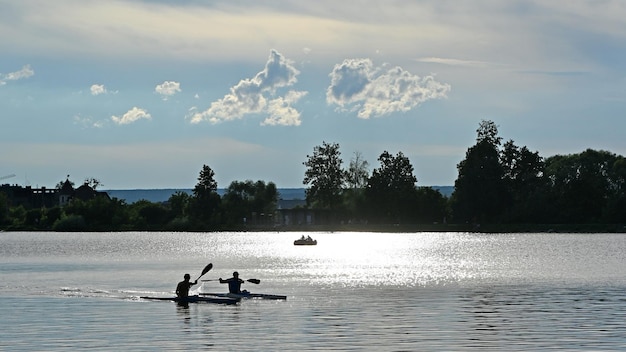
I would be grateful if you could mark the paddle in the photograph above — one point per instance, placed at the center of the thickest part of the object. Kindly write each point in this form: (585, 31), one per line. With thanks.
(205, 270)
(254, 281)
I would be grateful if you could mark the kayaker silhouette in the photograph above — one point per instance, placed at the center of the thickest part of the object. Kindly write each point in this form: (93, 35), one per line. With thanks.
(234, 283)
(182, 289)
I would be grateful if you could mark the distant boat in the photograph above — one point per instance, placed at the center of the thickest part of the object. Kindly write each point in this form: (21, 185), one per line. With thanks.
(305, 241)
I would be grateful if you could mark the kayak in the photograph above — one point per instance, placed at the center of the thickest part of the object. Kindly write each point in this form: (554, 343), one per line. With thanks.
(245, 295)
(196, 299)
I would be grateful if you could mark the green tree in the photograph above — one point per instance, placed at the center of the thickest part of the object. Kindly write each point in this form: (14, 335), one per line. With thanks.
(358, 172)
(205, 202)
(357, 175)
(253, 201)
(4, 208)
(391, 190)
(324, 177)
(430, 206)
(179, 204)
(526, 187)
(615, 211)
(99, 213)
(582, 184)
(146, 215)
(479, 190)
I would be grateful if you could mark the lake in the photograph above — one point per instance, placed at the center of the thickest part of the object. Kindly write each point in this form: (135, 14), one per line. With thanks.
(352, 291)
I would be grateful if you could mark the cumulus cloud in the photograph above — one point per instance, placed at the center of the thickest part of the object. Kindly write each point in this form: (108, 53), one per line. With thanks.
(356, 84)
(25, 72)
(281, 112)
(131, 116)
(251, 96)
(97, 89)
(167, 89)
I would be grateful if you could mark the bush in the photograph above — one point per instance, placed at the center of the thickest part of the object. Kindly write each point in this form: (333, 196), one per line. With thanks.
(71, 223)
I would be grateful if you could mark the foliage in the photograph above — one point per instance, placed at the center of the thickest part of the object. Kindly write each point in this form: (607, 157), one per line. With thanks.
(479, 191)
(179, 203)
(249, 202)
(586, 187)
(391, 189)
(496, 184)
(99, 213)
(324, 176)
(204, 205)
(70, 223)
(4, 208)
(357, 173)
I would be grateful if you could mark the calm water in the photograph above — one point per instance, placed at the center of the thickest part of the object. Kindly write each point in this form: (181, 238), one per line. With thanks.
(353, 291)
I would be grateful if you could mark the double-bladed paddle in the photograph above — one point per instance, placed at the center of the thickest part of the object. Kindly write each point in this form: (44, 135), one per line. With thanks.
(254, 281)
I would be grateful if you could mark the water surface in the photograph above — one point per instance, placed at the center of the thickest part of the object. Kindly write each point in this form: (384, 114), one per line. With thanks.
(353, 291)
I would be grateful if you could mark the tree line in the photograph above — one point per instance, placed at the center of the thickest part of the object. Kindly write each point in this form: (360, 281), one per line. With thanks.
(497, 183)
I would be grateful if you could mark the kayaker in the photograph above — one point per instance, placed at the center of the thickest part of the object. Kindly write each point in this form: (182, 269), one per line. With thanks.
(182, 290)
(234, 283)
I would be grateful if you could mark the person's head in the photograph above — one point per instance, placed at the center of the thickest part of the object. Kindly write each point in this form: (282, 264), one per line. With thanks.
(235, 274)
(187, 277)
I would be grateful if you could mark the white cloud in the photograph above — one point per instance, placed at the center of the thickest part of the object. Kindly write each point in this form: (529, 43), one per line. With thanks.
(250, 96)
(97, 89)
(25, 72)
(281, 112)
(88, 122)
(167, 89)
(356, 84)
(131, 116)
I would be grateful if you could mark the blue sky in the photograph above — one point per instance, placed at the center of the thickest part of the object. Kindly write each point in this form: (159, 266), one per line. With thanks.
(141, 94)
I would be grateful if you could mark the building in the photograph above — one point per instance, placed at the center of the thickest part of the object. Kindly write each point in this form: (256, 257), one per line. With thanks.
(43, 197)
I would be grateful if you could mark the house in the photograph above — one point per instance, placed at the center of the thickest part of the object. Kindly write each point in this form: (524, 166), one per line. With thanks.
(30, 198)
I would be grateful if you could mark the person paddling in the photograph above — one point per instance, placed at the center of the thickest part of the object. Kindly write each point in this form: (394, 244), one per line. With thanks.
(234, 283)
(182, 290)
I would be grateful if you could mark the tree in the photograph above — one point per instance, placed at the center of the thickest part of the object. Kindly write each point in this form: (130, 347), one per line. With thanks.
(479, 191)
(206, 182)
(357, 173)
(356, 176)
(205, 202)
(179, 203)
(146, 215)
(615, 211)
(254, 201)
(523, 173)
(4, 208)
(581, 185)
(93, 182)
(431, 206)
(324, 176)
(391, 189)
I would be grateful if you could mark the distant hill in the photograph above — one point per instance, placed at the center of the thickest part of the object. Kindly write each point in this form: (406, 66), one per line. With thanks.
(162, 195)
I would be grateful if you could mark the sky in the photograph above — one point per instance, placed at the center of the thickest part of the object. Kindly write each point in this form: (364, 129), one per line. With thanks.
(141, 94)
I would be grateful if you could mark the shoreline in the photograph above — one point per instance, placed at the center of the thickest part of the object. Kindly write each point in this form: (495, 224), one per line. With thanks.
(390, 228)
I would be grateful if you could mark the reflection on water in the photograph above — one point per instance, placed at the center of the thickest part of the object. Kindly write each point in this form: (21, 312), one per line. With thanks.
(353, 291)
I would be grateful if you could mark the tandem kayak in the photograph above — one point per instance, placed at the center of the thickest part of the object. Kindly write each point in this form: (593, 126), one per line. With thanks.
(245, 295)
(196, 299)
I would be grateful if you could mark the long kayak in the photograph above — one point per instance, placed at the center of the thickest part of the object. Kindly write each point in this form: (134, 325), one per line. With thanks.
(245, 295)
(196, 299)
